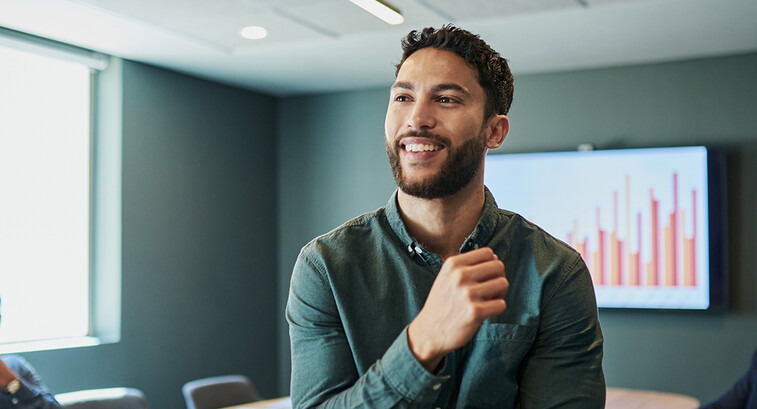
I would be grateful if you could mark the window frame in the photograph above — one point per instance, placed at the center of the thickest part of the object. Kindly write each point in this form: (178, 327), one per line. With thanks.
(105, 146)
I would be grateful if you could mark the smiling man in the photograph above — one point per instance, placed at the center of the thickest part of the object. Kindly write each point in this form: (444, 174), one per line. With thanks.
(440, 299)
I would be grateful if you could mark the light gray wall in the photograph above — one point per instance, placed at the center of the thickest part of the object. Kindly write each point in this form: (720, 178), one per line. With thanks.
(199, 238)
(332, 166)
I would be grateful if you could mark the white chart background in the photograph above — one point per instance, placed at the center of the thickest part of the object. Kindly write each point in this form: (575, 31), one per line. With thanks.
(557, 190)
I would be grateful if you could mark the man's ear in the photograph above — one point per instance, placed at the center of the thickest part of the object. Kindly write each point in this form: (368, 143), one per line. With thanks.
(498, 126)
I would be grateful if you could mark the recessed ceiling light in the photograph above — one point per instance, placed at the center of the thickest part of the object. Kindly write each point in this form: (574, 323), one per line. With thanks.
(253, 32)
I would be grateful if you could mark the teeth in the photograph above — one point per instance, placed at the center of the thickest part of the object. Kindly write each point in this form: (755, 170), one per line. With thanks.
(419, 147)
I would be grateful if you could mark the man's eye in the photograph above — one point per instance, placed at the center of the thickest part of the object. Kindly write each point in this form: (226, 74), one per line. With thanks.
(446, 100)
(401, 98)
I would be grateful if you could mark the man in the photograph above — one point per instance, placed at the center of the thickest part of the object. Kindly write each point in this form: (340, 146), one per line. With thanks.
(440, 299)
(21, 387)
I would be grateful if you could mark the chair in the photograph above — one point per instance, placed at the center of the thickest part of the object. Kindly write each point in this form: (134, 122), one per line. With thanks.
(108, 398)
(219, 392)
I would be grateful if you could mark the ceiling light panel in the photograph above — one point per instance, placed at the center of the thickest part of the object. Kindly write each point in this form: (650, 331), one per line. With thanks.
(346, 19)
(381, 10)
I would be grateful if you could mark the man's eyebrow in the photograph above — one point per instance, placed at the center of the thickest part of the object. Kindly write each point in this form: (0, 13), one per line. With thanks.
(451, 87)
(436, 88)
(403, 85)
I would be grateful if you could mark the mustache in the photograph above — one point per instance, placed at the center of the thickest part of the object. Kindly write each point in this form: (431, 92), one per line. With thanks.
(422, 134)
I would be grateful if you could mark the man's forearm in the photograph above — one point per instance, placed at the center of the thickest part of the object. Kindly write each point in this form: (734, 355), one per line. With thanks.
(397, 380)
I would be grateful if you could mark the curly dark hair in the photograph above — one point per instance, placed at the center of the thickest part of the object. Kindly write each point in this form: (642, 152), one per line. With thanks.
(493, 72)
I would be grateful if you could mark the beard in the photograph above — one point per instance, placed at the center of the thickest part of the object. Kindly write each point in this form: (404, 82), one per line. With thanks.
(456, 172)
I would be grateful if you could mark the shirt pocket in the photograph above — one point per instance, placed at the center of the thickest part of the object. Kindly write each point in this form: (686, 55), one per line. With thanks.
(490, 368)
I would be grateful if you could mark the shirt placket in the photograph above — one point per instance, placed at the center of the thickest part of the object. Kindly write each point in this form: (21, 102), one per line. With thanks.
(431, 259)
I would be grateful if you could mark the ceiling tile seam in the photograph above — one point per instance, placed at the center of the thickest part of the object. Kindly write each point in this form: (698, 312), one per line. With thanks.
(435, 10)
(304, 23)
(155, 26)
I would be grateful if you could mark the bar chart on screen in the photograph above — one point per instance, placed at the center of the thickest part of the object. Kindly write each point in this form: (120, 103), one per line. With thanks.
(665, 258)
(637, 217)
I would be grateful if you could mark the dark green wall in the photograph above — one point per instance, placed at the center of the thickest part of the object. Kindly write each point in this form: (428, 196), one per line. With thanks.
(221, 188)
(332, 167)
(199, 232)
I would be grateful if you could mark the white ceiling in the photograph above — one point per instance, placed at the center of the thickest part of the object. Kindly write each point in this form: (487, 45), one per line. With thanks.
(332, 45)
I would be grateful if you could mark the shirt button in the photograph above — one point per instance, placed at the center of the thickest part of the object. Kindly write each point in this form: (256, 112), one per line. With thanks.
(15, 401)
(437, 386)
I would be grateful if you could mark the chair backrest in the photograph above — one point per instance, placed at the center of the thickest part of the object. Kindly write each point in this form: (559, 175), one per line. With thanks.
(219, 391)
(108, 398)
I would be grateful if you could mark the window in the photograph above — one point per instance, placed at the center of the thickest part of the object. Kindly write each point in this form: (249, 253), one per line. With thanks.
(45, 204)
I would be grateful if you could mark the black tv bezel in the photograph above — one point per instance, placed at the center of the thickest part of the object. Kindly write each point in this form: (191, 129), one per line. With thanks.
(718, 228)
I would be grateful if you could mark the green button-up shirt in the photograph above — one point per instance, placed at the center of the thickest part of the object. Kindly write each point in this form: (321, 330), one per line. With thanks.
(355, 289)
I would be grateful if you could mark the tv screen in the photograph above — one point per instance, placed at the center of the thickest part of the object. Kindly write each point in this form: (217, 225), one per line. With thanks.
(647, 222)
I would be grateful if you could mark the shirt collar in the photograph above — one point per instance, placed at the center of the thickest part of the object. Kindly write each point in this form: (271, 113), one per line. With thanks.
(480, 236)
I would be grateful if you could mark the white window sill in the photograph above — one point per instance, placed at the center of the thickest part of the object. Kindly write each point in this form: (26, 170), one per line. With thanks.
(50, 344)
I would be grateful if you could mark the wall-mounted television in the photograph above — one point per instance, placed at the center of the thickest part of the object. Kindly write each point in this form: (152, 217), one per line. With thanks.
(649, 223)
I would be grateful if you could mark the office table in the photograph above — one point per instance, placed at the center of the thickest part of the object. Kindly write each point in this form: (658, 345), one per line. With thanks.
(617, 398)
(621, 398)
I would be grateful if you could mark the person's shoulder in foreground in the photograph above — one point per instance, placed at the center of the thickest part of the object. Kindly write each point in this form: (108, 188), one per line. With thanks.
(743, 394)
(440, 299)
(27, 391)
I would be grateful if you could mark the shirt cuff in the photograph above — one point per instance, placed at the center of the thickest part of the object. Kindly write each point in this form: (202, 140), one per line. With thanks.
(25, 393)
(407, 376)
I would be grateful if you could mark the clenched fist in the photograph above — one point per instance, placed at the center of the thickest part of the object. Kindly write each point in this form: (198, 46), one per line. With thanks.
(469, 288)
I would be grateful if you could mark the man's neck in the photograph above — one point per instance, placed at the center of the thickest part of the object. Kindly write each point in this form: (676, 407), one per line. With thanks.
(442, 225)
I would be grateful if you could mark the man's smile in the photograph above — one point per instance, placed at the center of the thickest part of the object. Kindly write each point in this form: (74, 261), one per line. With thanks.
(420, 147)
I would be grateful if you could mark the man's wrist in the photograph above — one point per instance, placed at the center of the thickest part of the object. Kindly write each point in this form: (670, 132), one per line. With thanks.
(422, 353)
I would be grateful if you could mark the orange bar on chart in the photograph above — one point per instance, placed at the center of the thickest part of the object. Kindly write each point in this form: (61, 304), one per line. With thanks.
(615, 244)
(634, 258)
(633, 269)
(674, 235)
(595, 269)
(614, 260)
(653, 273)
(582, 248)
(689, 248)
(688, 251)
(599, 262)
(668, 256)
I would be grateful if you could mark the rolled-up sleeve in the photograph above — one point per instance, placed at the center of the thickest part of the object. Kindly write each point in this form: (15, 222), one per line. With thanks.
(324, 373)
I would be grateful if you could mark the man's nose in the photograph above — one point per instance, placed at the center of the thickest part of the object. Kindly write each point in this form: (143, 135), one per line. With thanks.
(422, 116)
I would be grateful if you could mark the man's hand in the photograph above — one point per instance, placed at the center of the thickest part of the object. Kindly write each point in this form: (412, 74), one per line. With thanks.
(470, 288)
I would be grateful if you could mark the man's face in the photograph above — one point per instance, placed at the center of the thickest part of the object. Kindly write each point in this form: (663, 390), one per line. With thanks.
(434, 129)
